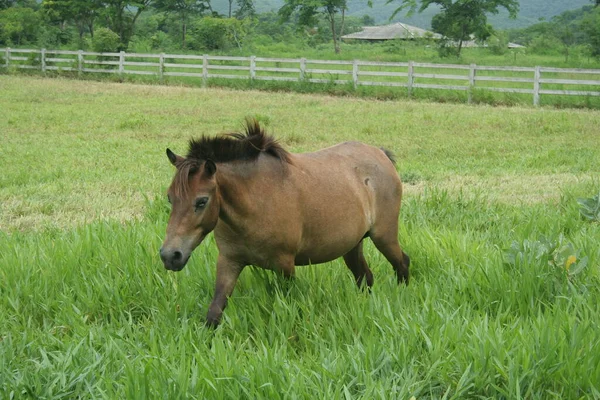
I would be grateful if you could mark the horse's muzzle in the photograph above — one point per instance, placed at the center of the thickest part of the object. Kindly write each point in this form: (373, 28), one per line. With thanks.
(174, 260)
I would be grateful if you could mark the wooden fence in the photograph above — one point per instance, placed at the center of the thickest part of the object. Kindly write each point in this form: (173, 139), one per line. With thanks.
(535, 81)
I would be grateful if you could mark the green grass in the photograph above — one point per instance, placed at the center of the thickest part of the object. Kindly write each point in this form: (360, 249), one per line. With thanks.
(490, 219)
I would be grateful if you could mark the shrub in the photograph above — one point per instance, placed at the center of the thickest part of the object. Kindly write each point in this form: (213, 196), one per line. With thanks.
(498, 44)
(212, 33)
(545, 45)
(105, 41)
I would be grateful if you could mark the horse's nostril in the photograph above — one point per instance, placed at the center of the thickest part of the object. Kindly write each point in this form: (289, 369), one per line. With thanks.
(177, 255)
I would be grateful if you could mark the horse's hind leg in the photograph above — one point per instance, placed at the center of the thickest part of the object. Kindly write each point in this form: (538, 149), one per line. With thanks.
(388, 245)
(355, 260)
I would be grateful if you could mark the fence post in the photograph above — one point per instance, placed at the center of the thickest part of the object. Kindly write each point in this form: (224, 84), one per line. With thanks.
(161, 66)
(79, 62)
(204, 70)
(355, 73)
(472, 72)
(7, 57)
(43, 60)
(411, 67)
(536, 86)
(302, 68)
(252, 67)
(121, 62)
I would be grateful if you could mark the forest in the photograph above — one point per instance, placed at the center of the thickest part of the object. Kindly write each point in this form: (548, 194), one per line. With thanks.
(269, 27)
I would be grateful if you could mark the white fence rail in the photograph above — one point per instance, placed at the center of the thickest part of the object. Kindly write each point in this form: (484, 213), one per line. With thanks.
(535, 81)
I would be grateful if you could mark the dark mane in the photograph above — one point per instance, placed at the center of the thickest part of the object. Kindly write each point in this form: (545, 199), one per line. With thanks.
(246, 146)
(237, 146)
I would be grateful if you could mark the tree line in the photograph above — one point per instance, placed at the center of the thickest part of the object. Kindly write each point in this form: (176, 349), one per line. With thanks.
(110, 25)
(577, 29)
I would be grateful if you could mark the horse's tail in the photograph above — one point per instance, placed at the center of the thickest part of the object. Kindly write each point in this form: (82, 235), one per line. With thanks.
(389, 155)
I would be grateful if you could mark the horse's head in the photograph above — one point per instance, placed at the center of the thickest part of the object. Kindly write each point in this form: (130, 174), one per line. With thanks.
(195, 207)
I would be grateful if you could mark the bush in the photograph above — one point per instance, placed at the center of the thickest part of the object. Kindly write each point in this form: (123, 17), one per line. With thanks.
(498, 44)
(52, 37)
(210, 33)
(139, 44)
(545, 45)
(18, 26)
(160, 40)
(105, 41)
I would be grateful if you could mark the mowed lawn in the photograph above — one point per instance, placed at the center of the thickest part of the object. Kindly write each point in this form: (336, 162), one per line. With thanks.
(504, 299)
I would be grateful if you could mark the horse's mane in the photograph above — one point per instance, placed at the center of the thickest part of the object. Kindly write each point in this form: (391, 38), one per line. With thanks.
(239, 146)
(245, 146)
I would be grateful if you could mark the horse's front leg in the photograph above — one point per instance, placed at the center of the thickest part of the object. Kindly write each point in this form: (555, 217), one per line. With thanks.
(228, 272)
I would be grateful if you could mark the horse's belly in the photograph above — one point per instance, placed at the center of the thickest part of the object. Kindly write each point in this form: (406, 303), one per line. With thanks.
(334, 244)
(308, 259)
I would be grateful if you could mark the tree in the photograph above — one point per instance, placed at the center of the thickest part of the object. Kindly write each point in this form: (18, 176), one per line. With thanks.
(460, 20)
(105, 41)
(245, 8)
(6, 3)
(309, 9)
(184, 9)
(564, 33)
(121, 15)
(81, 12)
(214, 33)
(23, 3)
(591, 26)
(18, 25)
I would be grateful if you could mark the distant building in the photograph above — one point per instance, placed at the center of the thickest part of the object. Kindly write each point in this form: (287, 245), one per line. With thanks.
(391, 32)
(403, 31)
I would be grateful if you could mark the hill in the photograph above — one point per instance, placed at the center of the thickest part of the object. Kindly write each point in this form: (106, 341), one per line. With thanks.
(530, 13)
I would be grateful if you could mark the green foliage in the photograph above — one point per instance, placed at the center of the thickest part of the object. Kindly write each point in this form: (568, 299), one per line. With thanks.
(185, 10)
(18, 26)
(322, 33)
(590, 24)
(563, 34)
(589, 208)
(81, 13)
(105, 41)
(122, 15)
(461, 20)
(245, 9)
(545, 45)
(498, 43)
(6, 3)
(211, 33)
(308, 11)
(52, 37)
(558, 254)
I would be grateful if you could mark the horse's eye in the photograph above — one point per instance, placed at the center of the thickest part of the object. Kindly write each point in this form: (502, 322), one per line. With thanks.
(201, 203)
(169, 199)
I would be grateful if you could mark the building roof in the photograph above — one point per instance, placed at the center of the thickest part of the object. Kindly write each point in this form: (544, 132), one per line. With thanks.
(392, 31)
(400, 30)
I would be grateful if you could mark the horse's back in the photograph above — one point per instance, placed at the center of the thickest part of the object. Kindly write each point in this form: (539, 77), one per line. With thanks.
(343, 191)
(355, 167)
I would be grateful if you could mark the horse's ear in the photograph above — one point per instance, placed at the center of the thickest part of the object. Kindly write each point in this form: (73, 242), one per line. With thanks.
(210, 168)
(174, 158)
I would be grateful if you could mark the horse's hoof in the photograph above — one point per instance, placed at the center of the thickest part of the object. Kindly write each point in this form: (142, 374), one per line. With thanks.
(212, 322)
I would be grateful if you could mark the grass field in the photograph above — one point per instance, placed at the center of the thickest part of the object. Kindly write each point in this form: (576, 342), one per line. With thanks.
(505, 287)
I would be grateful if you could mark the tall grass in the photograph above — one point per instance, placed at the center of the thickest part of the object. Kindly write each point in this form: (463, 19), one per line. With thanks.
(91, 312)
(501, 303)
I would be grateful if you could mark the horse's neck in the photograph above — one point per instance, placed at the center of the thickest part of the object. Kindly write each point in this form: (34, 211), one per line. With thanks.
(234, 184)
(243, 187)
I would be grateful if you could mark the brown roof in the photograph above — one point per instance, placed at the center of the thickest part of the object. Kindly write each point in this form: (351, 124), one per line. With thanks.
(392, 31)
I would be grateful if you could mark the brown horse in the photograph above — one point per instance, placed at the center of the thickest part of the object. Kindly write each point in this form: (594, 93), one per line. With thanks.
(276, 210)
